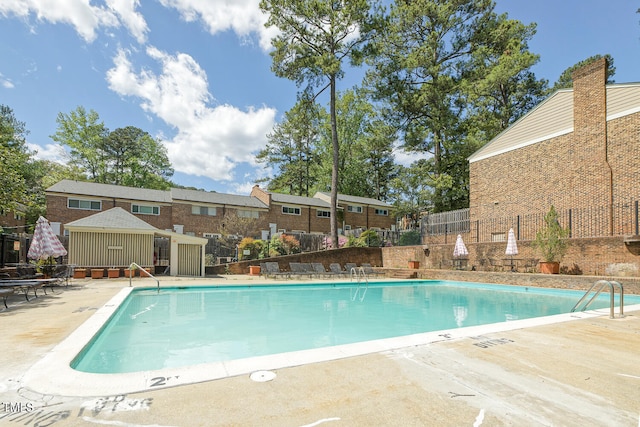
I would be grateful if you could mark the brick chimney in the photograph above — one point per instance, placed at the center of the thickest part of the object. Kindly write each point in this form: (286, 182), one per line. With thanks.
(593, 180)
(590, 105)
(261, 195)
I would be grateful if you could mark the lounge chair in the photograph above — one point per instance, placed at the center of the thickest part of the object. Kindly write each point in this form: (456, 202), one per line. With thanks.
(337, 269)
(299, 269)
(319, 270)
(5, 293)
(63, 273)
(350, 266)
(369, 271)
(25, 285)
(273, 269)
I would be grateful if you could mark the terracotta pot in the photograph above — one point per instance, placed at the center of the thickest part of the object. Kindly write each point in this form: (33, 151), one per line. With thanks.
(113, 273)
(254, 270)
(414, 264)
(97, 273)
(549, 267)
(79, 273)
(129, 273)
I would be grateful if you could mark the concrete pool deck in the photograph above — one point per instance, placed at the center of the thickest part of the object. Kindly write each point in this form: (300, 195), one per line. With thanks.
(579, 372)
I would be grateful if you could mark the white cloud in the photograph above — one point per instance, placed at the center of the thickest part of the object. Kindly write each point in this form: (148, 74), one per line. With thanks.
(5, 82)
(405, 158)
(244, 17)
(135, 22)
(80, 14)
(51, 152)
(210, 140)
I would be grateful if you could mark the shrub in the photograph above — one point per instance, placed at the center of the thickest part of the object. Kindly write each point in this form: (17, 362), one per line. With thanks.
(369, 238)
(284, 244)
(253, 246)
(342, 242)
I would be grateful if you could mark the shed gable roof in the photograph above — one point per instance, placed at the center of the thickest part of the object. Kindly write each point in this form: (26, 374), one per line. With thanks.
(554, 117)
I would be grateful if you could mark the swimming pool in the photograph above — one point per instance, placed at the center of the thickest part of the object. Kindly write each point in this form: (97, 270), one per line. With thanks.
(184, 326)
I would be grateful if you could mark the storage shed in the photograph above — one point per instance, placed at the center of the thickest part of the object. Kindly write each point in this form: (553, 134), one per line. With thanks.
(117, 238)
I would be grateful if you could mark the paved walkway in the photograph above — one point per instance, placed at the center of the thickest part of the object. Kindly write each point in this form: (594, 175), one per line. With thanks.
(578, 373)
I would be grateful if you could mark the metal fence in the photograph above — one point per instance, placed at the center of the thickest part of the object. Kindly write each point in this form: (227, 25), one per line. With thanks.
(596, 221)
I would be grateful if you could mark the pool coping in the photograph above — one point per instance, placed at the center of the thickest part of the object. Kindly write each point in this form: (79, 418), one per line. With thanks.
(53, 375)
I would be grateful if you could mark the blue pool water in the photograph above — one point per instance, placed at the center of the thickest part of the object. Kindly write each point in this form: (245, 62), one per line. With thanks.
(186, 326)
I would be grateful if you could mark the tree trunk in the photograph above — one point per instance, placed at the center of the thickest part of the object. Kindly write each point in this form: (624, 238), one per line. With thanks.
(334, 169)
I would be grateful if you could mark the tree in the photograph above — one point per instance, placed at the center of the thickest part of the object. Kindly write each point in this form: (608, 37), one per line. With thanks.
(291, 150)
(315, 40)
(365, 159)
(83, 133)
(40, 175)
(501, 86)
(422, 68)
(127, 156)
(411, 190)
(14, 155)
(566, 80)
(133, 158)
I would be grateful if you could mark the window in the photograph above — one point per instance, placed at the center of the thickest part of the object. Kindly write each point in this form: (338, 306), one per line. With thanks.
(355, 209)
(323, 214)
(147, 210)
(245, 213)
(203, 210)
(383, 212)
(90, 205)
(290, 210)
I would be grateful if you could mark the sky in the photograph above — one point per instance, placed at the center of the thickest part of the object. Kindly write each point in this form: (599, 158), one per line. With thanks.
(197, 74)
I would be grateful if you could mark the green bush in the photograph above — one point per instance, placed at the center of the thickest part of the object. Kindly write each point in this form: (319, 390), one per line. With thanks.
(369, 238)
(255, 248)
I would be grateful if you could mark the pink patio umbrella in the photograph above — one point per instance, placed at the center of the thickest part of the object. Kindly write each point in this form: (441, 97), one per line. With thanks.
(512, 246)
(45, 243)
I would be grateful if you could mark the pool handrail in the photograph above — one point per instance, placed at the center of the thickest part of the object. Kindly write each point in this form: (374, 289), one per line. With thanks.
(602, 284)
(133, 264)
(358, 273)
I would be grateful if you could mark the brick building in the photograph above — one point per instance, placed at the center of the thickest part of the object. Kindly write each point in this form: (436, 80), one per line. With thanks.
(578, 149)
(14, 221)
(201, 213)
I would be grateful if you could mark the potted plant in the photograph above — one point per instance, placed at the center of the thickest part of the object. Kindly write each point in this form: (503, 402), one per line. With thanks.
(551, 243)
(79, 273)
(130, 271)
(97, 273)
(113, 273)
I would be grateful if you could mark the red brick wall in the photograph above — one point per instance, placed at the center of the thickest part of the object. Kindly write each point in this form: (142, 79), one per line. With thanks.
(57, 211)
(590, 256)
(596, 165)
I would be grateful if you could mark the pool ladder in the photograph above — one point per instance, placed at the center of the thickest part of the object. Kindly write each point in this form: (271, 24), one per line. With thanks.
(358, 274)
(598, 287)
(131, 267)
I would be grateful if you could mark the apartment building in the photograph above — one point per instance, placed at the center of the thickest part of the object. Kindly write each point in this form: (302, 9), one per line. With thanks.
(202, 213)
